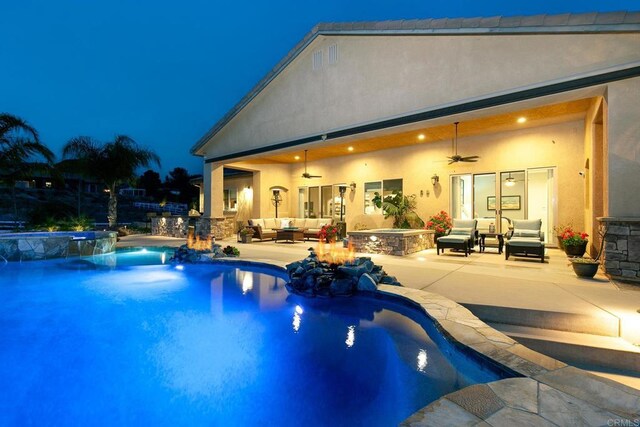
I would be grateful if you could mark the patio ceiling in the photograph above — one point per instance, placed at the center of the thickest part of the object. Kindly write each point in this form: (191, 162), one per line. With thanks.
(539, 116)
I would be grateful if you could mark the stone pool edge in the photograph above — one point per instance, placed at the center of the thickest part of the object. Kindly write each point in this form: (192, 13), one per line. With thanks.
(549, 390)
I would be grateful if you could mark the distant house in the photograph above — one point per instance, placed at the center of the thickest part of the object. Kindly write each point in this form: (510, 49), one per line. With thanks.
(132, 192)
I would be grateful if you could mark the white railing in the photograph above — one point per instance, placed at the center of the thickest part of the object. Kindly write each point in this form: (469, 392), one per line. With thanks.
(174, 208)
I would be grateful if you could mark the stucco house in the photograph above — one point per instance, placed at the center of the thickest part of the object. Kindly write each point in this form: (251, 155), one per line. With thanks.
(550, 104)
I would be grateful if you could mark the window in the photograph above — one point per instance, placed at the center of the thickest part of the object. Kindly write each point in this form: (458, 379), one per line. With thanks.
(386, 188)
(389, 186)
(370, 190)
(230, 202)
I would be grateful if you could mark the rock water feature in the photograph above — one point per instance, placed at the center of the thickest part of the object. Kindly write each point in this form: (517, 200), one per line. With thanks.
(328, 275)
(199, 250)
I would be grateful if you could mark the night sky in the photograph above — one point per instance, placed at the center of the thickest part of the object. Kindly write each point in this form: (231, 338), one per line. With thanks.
(164, 72)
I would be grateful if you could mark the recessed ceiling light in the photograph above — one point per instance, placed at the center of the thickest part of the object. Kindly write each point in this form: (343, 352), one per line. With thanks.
(297, 157)
(522, 119)
(421, 137)
(350, 148)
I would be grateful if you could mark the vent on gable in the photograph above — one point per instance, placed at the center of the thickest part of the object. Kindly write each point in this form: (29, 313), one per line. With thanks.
(333, 54)
(317, 60)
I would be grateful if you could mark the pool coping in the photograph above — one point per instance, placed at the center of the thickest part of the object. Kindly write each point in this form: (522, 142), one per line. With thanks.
(549, 390)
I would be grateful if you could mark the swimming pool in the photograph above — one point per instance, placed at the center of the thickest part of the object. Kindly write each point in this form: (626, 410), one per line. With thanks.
(92, 342)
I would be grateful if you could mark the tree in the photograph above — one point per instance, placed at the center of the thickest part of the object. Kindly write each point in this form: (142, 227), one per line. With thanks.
(150, 181)
(21, 153)
(179, 181)
(112, 163)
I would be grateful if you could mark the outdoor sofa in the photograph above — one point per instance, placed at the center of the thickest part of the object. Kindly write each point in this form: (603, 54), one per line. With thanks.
(264, 228)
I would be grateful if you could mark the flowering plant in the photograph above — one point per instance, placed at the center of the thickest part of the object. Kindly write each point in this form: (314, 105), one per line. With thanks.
(573, 238)
(440, 223)
(328, 233)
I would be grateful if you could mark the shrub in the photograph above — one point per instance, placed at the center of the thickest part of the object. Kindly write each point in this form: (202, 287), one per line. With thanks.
(231, 251)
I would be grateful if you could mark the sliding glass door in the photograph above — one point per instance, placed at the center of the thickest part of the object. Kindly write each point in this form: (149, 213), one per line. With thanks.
(518, 194)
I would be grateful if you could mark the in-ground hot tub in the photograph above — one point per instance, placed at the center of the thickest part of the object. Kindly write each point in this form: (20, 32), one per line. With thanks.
(391, 241)
(58, 244)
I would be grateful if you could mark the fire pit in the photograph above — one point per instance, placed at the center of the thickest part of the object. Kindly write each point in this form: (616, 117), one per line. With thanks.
(202, 250)
(335, 271)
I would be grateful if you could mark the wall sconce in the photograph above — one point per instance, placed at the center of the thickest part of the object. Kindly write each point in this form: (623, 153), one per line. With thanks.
(435, 179)
(352, 186)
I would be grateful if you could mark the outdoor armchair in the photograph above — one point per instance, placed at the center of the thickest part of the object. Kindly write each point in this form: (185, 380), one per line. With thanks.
(461, 237)
(526, 239)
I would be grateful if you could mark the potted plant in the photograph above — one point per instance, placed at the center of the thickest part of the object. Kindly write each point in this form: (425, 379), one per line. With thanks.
(328, 233)
(560, 230)
(440, 223)
(587, 267)
(246, 235)
(402, 208)
(575, 242)
(584, 267)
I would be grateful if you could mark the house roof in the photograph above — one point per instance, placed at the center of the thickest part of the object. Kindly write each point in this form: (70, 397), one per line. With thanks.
(567, 23)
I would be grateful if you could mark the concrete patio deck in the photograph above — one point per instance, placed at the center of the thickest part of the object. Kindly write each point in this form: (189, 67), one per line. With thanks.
(543, 305)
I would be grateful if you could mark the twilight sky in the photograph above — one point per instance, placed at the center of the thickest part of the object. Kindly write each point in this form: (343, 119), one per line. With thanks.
(163, 72)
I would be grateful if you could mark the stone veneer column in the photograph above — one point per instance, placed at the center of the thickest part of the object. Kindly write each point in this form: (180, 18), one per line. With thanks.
(622, 247)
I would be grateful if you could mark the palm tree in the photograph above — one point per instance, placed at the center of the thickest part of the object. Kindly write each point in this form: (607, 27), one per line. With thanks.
(113, 163)
(21, 153)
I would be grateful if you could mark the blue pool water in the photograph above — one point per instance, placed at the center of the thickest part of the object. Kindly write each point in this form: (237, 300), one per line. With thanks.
(102, 341)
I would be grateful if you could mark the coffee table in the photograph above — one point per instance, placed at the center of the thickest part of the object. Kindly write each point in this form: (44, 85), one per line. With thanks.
(290, 234)
(498, 236)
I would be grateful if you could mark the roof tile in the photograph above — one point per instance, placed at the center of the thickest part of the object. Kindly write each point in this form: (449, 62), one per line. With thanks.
(489, 22)
(510, 21)
(439, 23)
(453, 23)
(582, 18)
(610, 18)
(632, 18)
(532, 21)
(471, 22)
(409, 24)
(556, 20)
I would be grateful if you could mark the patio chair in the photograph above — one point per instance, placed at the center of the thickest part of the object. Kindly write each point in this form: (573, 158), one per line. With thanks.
(526, 239)
(461, 237)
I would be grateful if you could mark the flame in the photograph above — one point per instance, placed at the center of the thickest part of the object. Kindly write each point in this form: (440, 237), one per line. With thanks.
(334, 255)
(199, 244)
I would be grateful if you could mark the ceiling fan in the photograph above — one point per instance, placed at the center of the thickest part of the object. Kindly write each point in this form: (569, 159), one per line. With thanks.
(510, 181)
(454, 147)
(306, 174)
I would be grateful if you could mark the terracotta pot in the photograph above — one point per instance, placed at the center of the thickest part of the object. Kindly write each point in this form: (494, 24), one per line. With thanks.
(575, 250)
(585, 269)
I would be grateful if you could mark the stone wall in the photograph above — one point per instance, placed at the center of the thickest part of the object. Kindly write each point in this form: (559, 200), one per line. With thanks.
(173, 226)
(372, 242)
(621, 247)
(219, 228)
(39, 246)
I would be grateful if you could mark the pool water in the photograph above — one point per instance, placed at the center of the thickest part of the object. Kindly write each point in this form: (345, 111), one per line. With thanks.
(89, 342)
